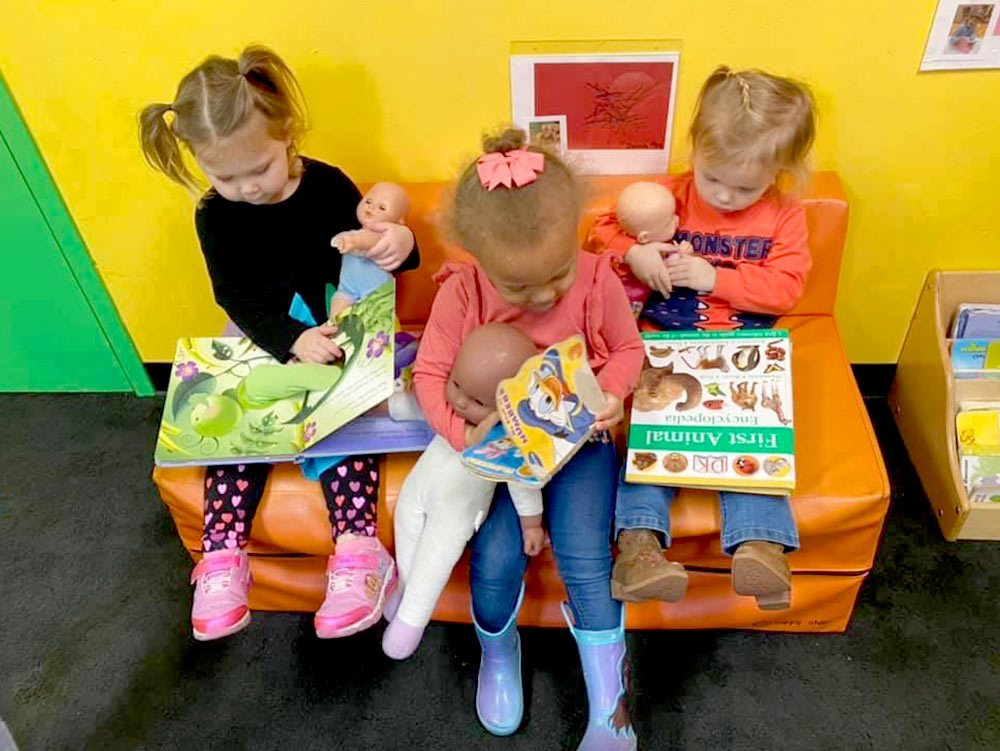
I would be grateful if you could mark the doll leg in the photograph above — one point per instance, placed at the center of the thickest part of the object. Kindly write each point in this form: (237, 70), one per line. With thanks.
(361, 574)
(222, 576)
(439, 509)
(757, 530)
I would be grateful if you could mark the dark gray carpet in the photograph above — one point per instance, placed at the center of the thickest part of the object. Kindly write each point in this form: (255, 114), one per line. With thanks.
(96, 653)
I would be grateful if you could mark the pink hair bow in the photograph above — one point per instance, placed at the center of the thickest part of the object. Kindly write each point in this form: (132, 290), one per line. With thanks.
(518, 167)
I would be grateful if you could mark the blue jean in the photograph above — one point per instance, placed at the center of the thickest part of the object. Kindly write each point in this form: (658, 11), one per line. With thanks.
(579, 506)
(745, 516)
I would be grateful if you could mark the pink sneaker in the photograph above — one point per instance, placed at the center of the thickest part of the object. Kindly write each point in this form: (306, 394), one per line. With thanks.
(222, 580)
(359, 578)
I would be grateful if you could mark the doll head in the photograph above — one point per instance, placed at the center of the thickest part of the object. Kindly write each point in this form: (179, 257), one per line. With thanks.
(384, 202)
(648, 212)
(489, 354)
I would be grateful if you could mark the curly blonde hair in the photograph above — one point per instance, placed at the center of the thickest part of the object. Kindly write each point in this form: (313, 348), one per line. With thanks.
(214, 100)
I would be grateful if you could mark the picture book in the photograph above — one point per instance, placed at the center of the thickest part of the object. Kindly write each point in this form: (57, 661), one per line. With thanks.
(978, 431)
(981, 474)
(228, 401)
(976, 358)
(546, 413)
(976, 321)
(714, 410)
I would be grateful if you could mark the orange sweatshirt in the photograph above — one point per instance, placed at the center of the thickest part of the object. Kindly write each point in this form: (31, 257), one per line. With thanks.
(760, 253)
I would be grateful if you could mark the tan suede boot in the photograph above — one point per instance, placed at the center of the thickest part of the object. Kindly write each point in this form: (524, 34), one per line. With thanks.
(642, 572)
(760, 569)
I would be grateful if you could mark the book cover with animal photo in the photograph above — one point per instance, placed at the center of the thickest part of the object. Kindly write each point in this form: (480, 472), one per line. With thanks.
(229, 401)
(714, 410)
(546, 413)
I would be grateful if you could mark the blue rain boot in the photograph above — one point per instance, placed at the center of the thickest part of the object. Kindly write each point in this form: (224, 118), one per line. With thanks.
(499, 697)
(605, 673)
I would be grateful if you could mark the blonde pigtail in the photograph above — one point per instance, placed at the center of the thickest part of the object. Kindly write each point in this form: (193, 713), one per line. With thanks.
(161, 147)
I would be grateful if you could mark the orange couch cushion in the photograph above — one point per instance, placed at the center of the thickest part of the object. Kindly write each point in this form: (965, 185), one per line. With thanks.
(839, 504)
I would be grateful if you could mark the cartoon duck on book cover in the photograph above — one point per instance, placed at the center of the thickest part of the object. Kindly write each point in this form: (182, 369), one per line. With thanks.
(546, 413)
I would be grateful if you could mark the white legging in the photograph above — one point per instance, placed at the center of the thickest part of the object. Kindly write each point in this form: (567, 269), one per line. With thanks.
(440, 507)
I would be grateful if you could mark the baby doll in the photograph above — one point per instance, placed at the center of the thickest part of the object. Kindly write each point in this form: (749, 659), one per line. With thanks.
(648, 212)
(441, 504)
(384, 202)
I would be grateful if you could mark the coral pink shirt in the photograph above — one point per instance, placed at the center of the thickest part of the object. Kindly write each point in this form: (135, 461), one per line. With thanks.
(761, 253)
(594, 306)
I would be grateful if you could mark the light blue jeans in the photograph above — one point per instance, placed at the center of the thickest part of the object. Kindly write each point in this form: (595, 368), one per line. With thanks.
(579, 508)
(745, 516)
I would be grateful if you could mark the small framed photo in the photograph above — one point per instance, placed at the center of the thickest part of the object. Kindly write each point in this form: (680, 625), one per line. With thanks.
(548, 132)
(963, 35)
(616, 111)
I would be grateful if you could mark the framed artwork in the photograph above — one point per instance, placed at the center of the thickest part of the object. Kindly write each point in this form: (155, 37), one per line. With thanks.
(616, 111)
(963, 36)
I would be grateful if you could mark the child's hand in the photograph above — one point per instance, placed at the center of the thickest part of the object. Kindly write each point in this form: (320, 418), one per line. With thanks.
(612, 413)
(393, 247)
(691, 271)
(646, 262)
(314, 345)
(476, 433)
(532, 534)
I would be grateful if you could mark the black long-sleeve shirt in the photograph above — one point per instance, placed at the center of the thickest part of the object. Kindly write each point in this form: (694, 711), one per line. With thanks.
(259, 256)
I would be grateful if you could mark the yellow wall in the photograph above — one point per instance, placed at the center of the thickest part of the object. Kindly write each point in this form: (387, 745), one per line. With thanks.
(400, 90)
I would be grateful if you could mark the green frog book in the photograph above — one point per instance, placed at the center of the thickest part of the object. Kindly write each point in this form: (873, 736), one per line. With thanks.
(714, 410)
(230, 402)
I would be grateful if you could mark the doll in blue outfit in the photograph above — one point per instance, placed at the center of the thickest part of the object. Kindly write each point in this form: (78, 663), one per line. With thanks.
(384, 204)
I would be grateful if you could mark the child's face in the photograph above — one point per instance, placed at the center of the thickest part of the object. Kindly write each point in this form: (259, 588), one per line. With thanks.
(731, 187)
(250, 165)
(534, 279)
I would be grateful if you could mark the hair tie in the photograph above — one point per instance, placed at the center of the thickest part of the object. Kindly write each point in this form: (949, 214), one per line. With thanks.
(515, 168)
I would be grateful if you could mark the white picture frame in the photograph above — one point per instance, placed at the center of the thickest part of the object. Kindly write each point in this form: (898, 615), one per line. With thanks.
(537, 128)
(963, 36)
(612, 104)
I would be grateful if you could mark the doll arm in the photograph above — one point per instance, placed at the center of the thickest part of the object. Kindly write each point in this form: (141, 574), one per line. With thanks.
(775, 285)
(527, 501)
(436, 355)
(528, 504)
(355, 240)
(607, 236)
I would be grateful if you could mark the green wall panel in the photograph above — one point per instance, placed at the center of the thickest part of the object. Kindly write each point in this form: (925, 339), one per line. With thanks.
(59, 330)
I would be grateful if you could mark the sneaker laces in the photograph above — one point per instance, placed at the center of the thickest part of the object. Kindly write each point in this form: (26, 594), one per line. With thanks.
(216, 582)
(341, 580)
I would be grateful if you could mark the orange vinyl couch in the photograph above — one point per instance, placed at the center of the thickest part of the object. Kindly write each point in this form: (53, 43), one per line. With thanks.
(840, 502)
